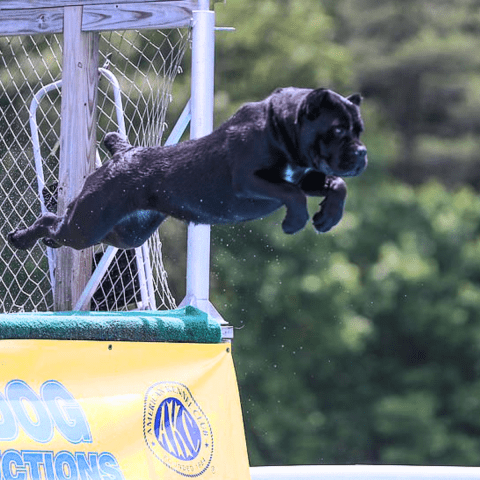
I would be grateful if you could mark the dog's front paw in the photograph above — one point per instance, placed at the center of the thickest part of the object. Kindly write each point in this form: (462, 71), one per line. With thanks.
(18, 239)
(293, 224)
(328, 216)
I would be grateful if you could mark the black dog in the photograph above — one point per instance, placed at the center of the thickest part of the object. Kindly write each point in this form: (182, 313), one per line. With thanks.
(296, 142)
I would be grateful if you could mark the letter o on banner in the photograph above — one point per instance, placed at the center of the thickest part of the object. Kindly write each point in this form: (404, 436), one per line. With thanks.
(8, 424)
(30, 411)
(65, 466)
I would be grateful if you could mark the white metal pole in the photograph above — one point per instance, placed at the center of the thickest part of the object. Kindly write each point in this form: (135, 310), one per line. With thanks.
(37, 155)
(198, 243)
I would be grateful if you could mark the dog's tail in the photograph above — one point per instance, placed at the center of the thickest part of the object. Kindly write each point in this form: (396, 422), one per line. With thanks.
(115, 143)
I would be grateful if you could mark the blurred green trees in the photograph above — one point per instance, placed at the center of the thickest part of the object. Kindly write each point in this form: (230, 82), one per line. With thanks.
(276, 43)
(418, 62)
(363, 344)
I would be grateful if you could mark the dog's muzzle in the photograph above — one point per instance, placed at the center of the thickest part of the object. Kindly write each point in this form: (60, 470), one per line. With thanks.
(362, 160)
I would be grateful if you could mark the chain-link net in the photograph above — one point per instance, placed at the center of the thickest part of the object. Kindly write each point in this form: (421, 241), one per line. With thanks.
(145, 65)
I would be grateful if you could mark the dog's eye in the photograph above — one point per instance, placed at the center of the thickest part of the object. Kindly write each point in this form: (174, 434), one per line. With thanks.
(339, 131)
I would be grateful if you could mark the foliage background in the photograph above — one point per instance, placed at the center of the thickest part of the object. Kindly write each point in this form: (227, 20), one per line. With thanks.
(361, 345)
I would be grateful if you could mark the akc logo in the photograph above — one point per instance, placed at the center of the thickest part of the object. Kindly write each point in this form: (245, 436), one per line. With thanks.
(176, 430)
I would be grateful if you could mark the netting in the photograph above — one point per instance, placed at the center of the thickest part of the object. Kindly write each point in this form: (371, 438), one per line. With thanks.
(142, 67)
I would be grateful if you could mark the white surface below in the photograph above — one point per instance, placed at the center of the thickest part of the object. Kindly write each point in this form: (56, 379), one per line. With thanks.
(364, 472)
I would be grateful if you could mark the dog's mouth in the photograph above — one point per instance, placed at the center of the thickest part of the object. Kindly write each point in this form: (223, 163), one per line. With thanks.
(323, 165)
(360, 165)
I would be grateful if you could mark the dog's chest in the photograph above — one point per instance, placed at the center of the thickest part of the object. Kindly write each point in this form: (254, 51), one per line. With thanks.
(294, 173)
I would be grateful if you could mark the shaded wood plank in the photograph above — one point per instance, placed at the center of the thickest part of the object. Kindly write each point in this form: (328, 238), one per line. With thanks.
(14, 4)
(31, 22)
(125, 16)
(134, 16)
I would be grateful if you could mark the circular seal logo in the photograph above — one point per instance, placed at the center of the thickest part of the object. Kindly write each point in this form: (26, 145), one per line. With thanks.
(176, 430)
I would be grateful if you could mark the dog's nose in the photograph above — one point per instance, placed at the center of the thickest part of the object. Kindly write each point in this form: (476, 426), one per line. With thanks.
(361, 153)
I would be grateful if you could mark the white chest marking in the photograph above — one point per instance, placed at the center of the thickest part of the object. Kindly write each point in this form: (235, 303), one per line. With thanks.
(294, 174)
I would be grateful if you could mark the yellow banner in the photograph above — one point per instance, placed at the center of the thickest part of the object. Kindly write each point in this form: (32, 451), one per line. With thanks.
(87, 410)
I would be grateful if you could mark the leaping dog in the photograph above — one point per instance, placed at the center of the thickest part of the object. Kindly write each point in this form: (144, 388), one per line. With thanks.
(296, 143)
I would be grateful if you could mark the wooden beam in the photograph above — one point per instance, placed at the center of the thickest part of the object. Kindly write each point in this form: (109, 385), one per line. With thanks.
(31, 22)
(123, 16)
(77, 146)
(134, 16)
(35, 4)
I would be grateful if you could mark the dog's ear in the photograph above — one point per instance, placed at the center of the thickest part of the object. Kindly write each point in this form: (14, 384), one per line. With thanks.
(314, 102)
(355, 98)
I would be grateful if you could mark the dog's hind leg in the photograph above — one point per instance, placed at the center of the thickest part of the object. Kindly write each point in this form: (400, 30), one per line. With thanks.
(42, 227)
(84, 224)
(134, 229)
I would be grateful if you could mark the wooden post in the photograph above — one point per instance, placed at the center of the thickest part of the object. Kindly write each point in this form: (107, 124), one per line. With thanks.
(77, 145)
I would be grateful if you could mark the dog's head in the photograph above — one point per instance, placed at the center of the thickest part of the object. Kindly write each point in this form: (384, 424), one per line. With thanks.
(329, 128)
